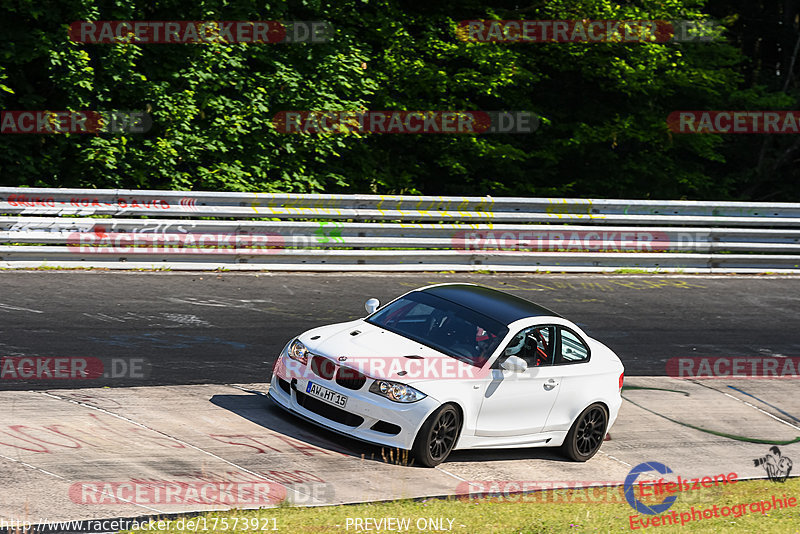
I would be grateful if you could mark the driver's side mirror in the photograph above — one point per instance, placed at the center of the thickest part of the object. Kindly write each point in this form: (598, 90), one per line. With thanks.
(514, 364)
(371, 305)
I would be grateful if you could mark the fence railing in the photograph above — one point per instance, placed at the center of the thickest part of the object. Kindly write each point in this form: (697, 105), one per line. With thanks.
(74, 228)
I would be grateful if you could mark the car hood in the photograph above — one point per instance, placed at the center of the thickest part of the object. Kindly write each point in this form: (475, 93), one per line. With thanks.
(379, 353)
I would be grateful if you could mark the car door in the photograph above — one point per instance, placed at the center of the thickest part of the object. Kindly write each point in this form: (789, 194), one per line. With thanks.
(576, 381)
(517, 404)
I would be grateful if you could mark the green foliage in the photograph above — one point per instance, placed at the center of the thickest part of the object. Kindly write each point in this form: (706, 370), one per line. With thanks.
(603, 106)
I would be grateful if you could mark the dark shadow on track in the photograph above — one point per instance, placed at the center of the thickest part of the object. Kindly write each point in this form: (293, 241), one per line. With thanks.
(261, 410)
(498, 455)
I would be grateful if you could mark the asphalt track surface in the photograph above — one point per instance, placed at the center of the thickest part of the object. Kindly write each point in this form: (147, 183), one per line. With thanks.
(210, 340)
(209, 328)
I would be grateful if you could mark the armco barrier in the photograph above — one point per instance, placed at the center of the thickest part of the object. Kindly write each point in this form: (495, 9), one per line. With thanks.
(127, 229)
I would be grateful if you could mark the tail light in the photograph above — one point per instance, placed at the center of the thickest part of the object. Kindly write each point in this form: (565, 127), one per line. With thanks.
(621, 378)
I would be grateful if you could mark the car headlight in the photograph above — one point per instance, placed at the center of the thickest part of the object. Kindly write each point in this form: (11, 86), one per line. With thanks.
(396, 391)
(298, 351)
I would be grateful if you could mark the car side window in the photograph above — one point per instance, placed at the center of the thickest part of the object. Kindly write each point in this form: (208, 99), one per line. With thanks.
(533, 344)
(572, 349)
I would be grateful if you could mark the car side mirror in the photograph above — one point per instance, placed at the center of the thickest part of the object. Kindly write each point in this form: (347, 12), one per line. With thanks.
(514, 364)
(371, 305)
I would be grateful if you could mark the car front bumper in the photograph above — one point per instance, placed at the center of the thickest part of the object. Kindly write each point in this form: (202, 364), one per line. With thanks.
(366, 416)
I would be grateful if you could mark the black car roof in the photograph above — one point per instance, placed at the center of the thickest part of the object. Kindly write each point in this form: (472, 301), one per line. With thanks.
(498, 305)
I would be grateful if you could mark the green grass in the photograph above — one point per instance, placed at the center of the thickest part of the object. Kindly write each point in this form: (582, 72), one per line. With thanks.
(552, 512)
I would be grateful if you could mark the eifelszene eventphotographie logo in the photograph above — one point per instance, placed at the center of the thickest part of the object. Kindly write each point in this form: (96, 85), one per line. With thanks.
(636, 504)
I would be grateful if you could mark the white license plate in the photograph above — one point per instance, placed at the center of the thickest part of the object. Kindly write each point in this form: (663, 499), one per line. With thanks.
(323, 393)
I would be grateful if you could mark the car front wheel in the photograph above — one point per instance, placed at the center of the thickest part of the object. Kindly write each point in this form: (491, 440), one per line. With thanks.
(587, 434)
(437, 437)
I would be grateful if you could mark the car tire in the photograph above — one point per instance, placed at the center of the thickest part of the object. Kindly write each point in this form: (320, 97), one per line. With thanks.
(587, 434)
(437, 436)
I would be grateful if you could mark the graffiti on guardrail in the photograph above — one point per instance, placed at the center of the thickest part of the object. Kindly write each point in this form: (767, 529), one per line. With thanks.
(404, 207)
(29, 201)
(329, 232)
(306, 231)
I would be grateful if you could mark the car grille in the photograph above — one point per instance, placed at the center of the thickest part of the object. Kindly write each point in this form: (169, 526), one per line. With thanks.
(345, 376)
(323, 367)
(350, 378)
(327, 411)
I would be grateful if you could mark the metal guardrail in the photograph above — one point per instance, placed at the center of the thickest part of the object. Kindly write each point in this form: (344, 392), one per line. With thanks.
(127, 229)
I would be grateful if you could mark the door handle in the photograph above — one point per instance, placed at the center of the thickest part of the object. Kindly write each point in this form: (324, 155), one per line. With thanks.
(550, 384)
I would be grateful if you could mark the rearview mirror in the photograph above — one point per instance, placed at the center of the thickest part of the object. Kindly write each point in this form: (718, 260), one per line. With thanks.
(514, 364)
(371, 305)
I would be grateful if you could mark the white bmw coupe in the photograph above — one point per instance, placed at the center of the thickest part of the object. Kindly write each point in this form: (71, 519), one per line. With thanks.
(454, 366)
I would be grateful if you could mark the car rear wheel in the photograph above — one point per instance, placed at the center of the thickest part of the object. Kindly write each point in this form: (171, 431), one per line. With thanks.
(587, 433)
(437, 437)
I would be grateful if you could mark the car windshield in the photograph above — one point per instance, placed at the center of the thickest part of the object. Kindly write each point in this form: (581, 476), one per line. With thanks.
(442, 325)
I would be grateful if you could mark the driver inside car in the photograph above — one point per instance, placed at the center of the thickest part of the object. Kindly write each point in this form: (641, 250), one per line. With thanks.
(516, 346)
(530, 346)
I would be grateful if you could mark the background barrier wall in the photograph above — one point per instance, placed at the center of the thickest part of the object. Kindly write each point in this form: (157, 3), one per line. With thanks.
(127, 229)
